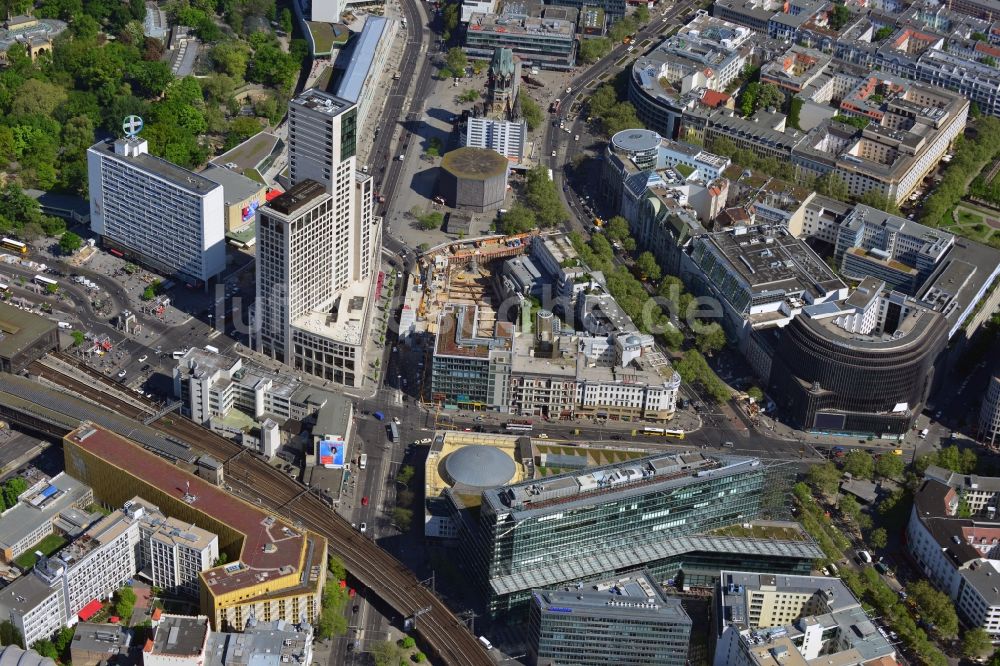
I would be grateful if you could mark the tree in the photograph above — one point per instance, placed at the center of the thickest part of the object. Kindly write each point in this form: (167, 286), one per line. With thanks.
(518, 219)
(849, 507)
(859, 464)
(748, 99)
(878, 538)
(12, 489)
(756, 393)
(124, 603)
(642, 14)
(648, 266)
(593, 49)
(9, 635)
(431, 220)
(839, 16)
(710, 338)
(408, 643)
(530, 111)
(936, 607)
(286, 20)
(832, 185)
(62, 641)
(419, 657)
(78, 338)
(976, 643)
(402, 518)
(386, 653)
(825, 477)
(770, 95)
(336, 567)
(331, 621)
(794, 113)
(723, 146)
(617, 228)
(70, 243)
(45, 648)
(405, 475)
(890, 467)
(457, 61)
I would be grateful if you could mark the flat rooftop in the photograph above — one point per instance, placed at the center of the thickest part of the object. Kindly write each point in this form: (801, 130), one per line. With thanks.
(522, 25)
(297, 197)
(270, 547)
(161, 168)
(772, 259)
(323, 102)
(19, 330)
(179, 636)
(531, 499)
(41, 504)
(347, 322)
(633, 596)
(458, 334)
(235, 187)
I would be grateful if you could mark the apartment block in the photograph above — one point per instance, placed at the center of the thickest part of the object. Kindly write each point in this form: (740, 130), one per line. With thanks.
(771, 619)
(174, 552)
(155, 212)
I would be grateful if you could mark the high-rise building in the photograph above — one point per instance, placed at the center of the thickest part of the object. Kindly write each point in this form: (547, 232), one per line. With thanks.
(623, 620)
(155, 212)
(989, 412)
(316, 246)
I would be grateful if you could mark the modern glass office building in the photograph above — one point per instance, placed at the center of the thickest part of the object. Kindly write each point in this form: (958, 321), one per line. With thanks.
(652, 512)
(624, 621)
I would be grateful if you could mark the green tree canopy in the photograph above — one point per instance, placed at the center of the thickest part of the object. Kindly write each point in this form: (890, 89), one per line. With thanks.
(859, 464)
(457, 61)
(878, 538)
(531, 112)
(648, 267)
(825, 477)
(890, 467)
(976, 643)
(70, 243)
(936, 607)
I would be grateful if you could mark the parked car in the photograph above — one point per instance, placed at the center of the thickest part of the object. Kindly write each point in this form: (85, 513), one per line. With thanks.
(364, 502)
(363, 527)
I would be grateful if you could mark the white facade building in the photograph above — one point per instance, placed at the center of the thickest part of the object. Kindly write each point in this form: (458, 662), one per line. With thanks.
(157, 212)
(174, 551)
(505, 137)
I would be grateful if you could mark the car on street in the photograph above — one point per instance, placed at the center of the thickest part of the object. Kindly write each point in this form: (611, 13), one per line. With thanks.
(542, 435)
(364, 501)
(121, 374)
(395, 419)
(363, 527)
(142, 359)
(553, 153)
(425, 440)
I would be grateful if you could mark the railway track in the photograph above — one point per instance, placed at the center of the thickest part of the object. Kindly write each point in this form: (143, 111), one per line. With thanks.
(373, 567)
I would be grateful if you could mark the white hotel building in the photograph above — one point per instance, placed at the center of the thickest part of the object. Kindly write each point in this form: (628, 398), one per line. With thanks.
(155, 212)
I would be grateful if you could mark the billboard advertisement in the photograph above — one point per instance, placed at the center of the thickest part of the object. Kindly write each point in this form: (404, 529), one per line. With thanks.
(248, 211)
(331, 453)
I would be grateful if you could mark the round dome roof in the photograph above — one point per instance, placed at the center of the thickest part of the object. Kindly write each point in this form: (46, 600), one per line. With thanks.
(479, 466)
(636, 140)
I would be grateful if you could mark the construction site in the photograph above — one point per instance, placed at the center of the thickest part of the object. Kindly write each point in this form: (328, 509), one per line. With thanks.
(460, 273)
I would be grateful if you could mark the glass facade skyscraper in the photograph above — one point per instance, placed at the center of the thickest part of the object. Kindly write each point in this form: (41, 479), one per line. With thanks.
(653, 511)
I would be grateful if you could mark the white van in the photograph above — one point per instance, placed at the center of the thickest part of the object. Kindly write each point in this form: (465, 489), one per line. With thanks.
(214, 350)
(179, 354)
(865, 556)
(485, 643)
(65, 325)
(923, 433)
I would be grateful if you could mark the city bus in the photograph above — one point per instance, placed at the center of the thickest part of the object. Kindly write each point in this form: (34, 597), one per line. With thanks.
(394, 433)
(4, 287)
(660, 432)
(14, 245)
(44, 281)
(518, 425)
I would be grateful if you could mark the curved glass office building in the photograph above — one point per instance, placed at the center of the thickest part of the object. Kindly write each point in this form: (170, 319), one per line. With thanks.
(828, 379)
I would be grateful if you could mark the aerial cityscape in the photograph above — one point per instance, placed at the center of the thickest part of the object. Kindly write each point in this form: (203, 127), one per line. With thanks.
(471, 332)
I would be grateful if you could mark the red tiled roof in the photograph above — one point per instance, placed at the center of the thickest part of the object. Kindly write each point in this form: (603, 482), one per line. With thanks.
(90, 610)
(714, 98)
(266, 548)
